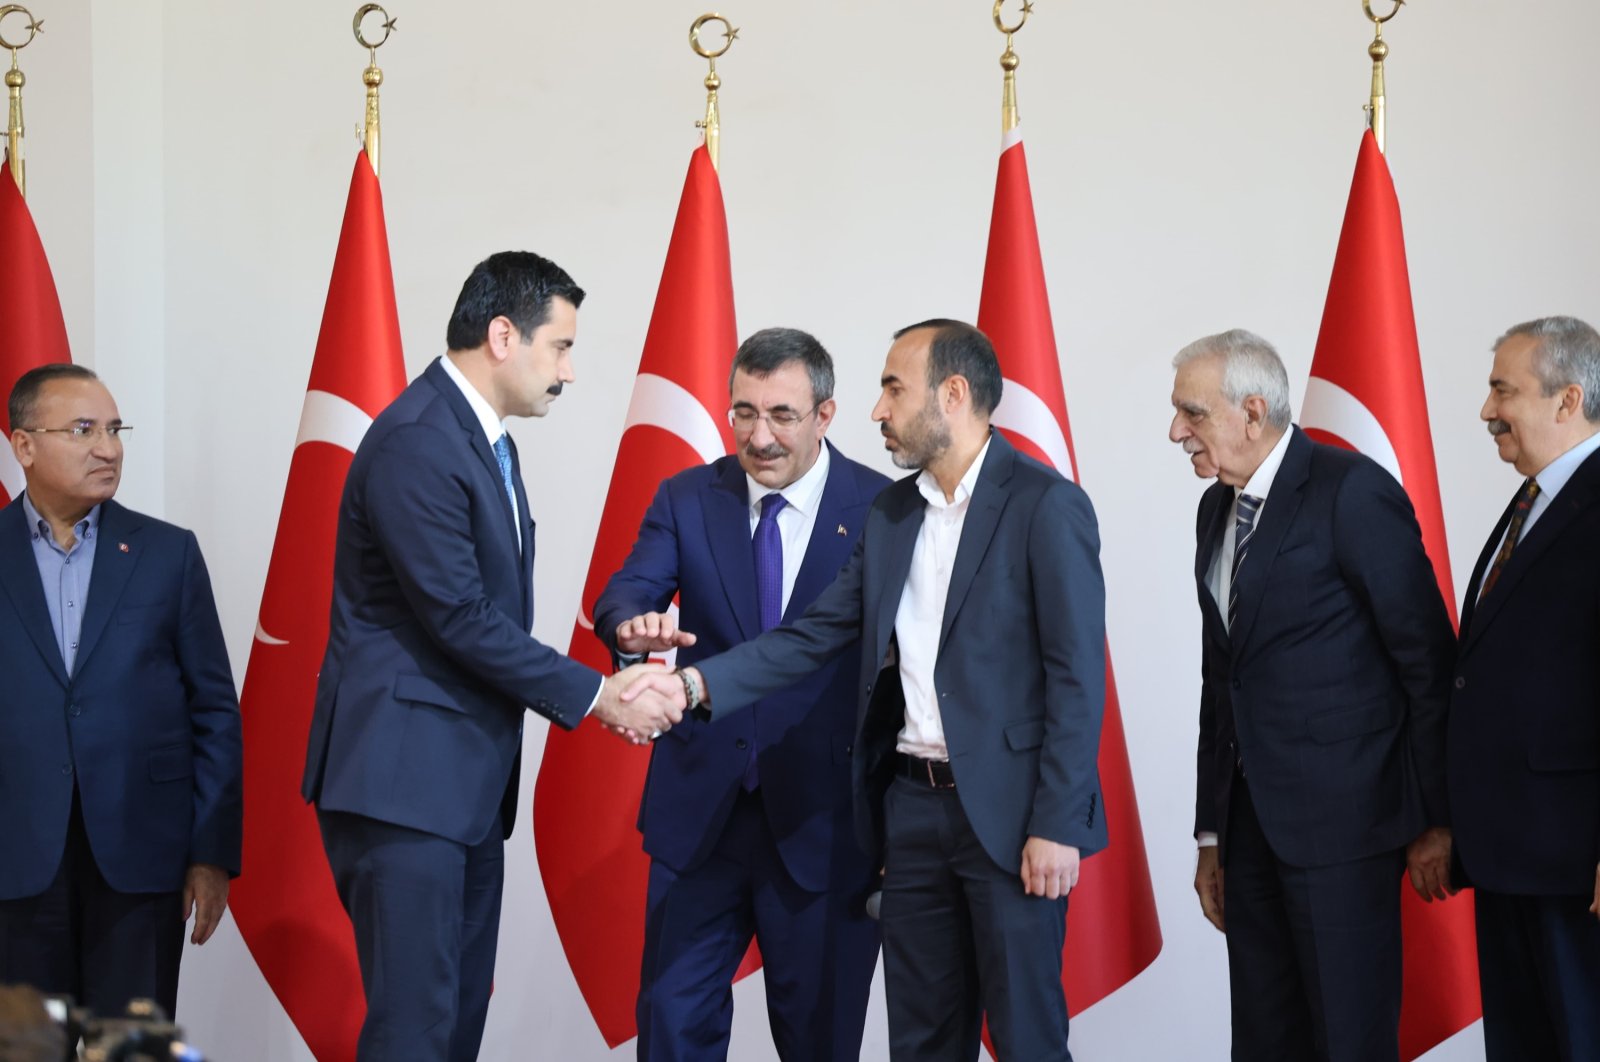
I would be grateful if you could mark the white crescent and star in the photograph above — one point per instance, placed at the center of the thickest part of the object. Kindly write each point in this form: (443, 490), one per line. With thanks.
(1330, 408)
(1024, 412)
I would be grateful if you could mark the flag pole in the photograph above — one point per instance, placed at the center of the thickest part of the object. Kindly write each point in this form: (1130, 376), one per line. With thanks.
(711, 124)
(372, 77)
(1379, 52)
(15, 79)
(1009, 117)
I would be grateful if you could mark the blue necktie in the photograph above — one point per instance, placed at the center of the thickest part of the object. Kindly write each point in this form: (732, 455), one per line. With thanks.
(502, 454)
(1244, 528)
(768, 545)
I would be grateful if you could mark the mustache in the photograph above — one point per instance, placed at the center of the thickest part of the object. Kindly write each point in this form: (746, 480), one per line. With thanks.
(554, 389)
(1498, 427)
(766, 453)
(1192, 446)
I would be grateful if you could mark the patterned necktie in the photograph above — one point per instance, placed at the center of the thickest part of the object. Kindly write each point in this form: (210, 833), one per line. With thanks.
(1244, 528)
(502, 454)
(1519, 516)
(769, 589)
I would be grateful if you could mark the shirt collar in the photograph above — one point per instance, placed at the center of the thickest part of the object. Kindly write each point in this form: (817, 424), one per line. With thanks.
(1554, 476)
(1261, 482)
(493, 426)
(36, 522)
(803, 495)
(929, 485)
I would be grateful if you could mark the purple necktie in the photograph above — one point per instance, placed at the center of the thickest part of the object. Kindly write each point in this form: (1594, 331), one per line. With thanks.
(769, 588)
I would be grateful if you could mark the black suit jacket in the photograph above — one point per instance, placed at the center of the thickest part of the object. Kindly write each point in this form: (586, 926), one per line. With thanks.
(1021, 665)
(1332, 686)
(1525, 709)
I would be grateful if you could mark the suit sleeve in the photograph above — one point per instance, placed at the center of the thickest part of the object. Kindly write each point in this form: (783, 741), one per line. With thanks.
(1380, 554)
(648, 579)
(784, 655)
(420, 508)
(217, 833)
(1070, 600)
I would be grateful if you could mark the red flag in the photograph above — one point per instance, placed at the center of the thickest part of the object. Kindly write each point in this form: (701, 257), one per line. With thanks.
(1366, 394)
(1112, 928)
(32, 332)
(586, 801)
(285, 901)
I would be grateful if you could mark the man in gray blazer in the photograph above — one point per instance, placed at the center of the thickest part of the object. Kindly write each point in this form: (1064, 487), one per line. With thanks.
(976, 594)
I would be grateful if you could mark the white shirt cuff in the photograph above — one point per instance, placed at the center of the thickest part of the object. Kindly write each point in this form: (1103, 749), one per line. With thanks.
(1205, 839)
(598, 690)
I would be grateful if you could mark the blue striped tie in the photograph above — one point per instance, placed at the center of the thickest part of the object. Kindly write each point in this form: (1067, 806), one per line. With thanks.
(502, 454)
(1244, 528)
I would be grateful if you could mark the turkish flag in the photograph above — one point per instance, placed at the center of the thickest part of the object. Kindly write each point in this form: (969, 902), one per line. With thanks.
(284, 902)
(32, 332)
(1112, 928)
(586, 801)
(1366, 394)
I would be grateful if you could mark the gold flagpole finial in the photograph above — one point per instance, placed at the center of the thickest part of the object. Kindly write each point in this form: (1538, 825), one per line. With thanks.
(1009, 117)
(1379, 52)
(14, 82)
(712, 122)
(372, 77)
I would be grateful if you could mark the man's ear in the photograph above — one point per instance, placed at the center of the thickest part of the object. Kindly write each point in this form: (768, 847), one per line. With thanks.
(1571, 403)
(955, 390)
(22, 444)
(1255, 417)
(502, 335)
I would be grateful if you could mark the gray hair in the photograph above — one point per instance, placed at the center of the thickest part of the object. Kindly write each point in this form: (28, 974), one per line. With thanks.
(1568, 353)
(1250, 366)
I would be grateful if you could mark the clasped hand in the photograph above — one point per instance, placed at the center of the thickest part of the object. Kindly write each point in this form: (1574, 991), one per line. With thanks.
(641, 702)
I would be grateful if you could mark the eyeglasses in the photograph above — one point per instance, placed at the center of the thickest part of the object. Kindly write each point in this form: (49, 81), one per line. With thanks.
(745, 418)
(86, 431)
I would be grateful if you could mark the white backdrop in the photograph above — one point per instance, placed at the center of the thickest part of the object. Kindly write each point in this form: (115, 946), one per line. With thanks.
(189, 161)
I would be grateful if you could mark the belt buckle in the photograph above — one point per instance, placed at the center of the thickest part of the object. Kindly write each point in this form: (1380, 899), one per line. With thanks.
(933, 783)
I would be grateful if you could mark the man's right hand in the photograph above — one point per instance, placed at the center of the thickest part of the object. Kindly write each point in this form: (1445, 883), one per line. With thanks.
(653, 632)
(652, 709)
(1208, 883)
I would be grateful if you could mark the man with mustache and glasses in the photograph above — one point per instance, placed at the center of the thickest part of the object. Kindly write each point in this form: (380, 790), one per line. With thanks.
(747, 821)
(1524, 733)
(1325, 663)
(976, 602)
(121, 769)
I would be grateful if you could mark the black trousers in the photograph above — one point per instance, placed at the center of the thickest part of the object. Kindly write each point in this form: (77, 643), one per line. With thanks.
(82, 938)
(961, 941)
(1539, 969)
(1314, 953)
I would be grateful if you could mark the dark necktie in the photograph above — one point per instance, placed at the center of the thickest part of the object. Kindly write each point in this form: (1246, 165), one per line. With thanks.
(502, 454)
(768, 545)
(1519, 516)
(1244, 528)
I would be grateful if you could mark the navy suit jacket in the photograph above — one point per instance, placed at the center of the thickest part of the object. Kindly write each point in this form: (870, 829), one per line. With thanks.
(696, 539)
(1020, 669)
(1333, 684)
(1525, 709)
(418, 718)
(146, 726)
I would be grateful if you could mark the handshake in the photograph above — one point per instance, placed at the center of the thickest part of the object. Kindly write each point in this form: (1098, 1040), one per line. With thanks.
(643, 701)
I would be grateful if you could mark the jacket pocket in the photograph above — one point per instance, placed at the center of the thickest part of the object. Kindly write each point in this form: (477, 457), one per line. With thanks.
(1028, 734)
(424, 690)
(171, 763)
(1345, 723)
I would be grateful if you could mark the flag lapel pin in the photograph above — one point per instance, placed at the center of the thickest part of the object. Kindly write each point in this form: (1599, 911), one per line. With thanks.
(123, 546)
(842, 532)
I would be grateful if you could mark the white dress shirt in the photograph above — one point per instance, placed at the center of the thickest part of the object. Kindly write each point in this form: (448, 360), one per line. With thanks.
(921, 613)
(1551, 479)
(797, 517)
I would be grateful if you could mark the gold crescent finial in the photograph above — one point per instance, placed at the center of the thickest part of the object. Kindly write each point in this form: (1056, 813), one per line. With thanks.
(1010, 117)
(1022, 20)
(372, 77)
(1379, 51)
(1366, 5)
(711, 124)
(14, 80)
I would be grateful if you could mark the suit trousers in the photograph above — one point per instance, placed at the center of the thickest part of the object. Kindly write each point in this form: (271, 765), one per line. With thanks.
(426, 913)
(82, 938)
(961, 940)
(1539, 971)
(818, 952)
(1314, 953)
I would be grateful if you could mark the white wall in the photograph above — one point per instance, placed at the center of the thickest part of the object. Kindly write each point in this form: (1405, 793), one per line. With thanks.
(189, 161)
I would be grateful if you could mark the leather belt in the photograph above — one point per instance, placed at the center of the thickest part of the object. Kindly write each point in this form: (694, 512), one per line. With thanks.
(935, 774)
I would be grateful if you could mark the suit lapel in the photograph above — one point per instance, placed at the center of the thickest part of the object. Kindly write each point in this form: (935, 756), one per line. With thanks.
(476, 440)
(1469, 600)
(1214, 506)
(113, 566)
(19, 578)
(983, 516)
(1283, 502)
(727, 520)
(904, 526)
(828, 549)
(525, 518)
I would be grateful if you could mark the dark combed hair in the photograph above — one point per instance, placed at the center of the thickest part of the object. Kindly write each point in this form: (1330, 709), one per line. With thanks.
(25, 394)
(958, 349)
(517, 285)
(770, 349)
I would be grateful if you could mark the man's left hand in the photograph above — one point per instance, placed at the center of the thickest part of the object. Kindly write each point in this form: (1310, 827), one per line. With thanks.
(1048, 869)
(1428, 863)
(1594, 908)
(205, 895)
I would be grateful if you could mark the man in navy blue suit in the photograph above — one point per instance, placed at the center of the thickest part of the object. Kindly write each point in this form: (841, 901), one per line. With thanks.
(416, 738)
(1325, 663)
(120, 763)
(747, 820)
(1524, 749)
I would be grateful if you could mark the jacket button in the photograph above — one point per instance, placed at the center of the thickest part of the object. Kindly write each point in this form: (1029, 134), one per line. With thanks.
(1461, 682)
(75, 711)
(741, 744)
(66, 768)
(869, 689)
